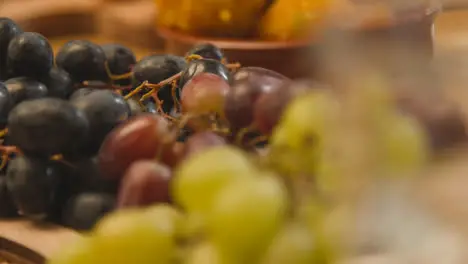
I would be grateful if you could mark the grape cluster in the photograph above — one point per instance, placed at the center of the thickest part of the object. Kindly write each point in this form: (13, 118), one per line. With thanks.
(204, 160)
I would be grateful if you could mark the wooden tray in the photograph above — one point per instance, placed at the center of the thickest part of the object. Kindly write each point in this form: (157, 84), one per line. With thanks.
(25, 242)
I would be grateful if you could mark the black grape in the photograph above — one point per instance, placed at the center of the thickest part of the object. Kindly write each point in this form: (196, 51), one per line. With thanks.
(6, 104)
(150, 106)
(8, 30)
(83, 60)
(46, 126)
(87, 177)
(156, 68)
(7, 207)
(58, 83)
(135, 107)
(29, 54)
(120, 60)
(64, 190)
(196, 67)
(104, 110)
(81, 92)
(25, 88)
(84, 210)
(207, 51)
(32, 185)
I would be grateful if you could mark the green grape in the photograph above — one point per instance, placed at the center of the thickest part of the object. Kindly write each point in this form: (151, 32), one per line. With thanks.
(293, 245)
(163, 212)
(246, 215)
(298, 139)
(193, 225)
(403, 144)
(200, 177)
(203, 253)
(137, 236)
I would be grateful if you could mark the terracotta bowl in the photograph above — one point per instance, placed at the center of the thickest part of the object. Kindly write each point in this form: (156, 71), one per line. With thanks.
(288, 57)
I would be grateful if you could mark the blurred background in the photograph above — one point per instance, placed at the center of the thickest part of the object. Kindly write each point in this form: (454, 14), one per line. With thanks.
(133, 22)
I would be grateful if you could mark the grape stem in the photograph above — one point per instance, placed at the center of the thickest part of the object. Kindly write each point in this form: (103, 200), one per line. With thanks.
(242, 133)
(114, 77)
(257, 140)
(136, 90)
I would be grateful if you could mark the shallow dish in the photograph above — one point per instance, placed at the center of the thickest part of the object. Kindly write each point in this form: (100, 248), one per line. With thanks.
(287, 57)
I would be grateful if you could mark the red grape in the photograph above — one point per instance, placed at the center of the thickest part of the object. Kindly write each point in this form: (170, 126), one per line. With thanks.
(145, 182)
(142, 137)
(248, 84)
(204, 93)
(269, 107)
(201, 141)
(173, 155)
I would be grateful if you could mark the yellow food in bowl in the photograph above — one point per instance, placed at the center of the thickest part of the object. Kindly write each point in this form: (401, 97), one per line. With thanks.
(290, 19)
(220, 18)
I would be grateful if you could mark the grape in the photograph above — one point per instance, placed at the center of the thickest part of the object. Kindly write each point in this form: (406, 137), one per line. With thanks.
(173, 155)
(83, 211)
(269, 107)
(24, 88)
(141, 138)
(260, 75)
(404, 144)
(154, 230)
(120, 60)
(87, 177)
(150, 106)
(135, 107)
(144, 183)
(63, 191)
(293, 244)
(7, 207)
(8, 30)
(46, 126)
(29, 54)
(6, 103)
(81, 92)
(199, 178)
(246, 215)
(204, 93)
(196, 67)
(184, 133)
(58, 83)
(247, 85)
(201, 141)
(169, 213)
(32, 185)
(156, 68)
(298, 139)
(83, 60)
(204, 253)
(207, 51)
(104, 110)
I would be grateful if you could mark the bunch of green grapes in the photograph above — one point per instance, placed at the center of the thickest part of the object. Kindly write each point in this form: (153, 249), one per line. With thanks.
(233, 212)
(232, 206)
